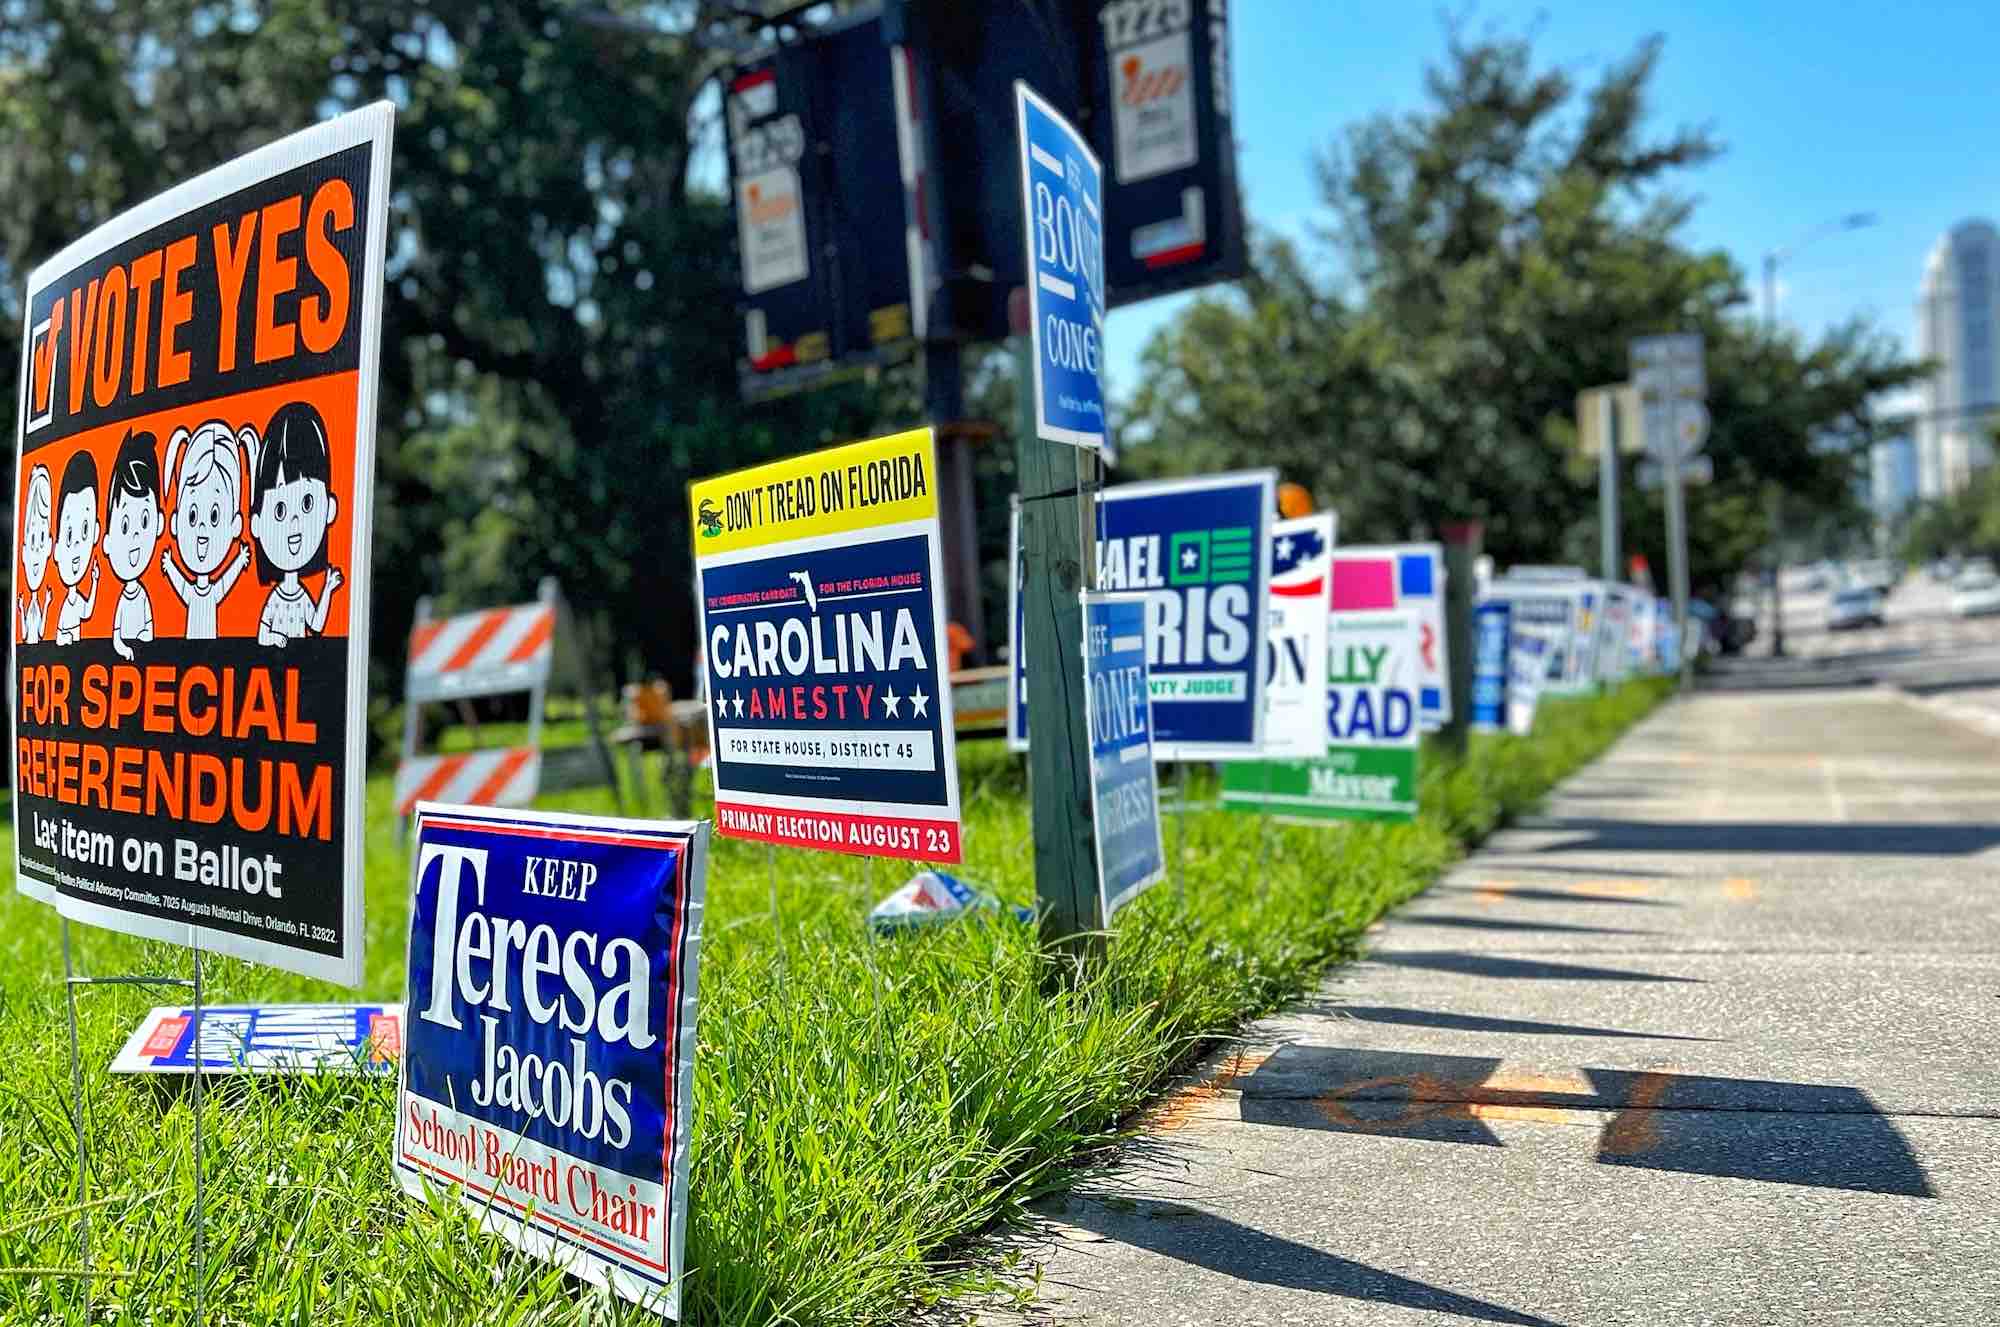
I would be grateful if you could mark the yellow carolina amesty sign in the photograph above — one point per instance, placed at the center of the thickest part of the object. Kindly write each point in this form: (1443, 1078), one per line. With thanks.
(858, 486)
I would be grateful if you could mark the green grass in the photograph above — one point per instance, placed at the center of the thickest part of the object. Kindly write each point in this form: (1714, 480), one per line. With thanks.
(861, 1109)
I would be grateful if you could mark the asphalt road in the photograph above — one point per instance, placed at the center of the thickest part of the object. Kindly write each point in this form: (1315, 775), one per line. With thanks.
(1922, 648)
(1713, 1040)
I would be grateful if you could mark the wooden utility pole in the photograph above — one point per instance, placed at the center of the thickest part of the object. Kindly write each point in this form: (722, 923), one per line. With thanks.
(1057, 527)
(1462, 541)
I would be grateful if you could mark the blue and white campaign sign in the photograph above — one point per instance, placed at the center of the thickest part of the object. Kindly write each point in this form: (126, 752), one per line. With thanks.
(1125, 791)
(1528, 660)
(1295, 653)
(266, 1039)
(1062, 207)
(1556, 610)
(549, 1051)
(1201, 551)
(1491, 628)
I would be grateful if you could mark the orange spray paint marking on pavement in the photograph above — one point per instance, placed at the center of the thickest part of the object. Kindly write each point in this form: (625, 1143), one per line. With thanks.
(1181, 1107)
(1636, 1128)
(1494, 891)
(1610, 889)
(1737, 889)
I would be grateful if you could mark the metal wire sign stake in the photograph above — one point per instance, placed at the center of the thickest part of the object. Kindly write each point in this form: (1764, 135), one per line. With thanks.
(71, 981)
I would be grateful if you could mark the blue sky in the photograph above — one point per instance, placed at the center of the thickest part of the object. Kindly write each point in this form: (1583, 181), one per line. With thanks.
(1824, 108)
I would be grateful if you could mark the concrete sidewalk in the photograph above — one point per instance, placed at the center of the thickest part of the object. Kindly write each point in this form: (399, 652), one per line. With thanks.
(1712, 1041)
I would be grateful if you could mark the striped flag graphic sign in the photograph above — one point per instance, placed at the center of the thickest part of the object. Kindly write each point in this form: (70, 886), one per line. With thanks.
(497, 776)
(483, 653)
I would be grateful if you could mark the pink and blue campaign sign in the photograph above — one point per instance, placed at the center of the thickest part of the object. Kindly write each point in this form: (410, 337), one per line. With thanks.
(1199, 550)
(1407, 578)
(1062, 204)
(549, 1047)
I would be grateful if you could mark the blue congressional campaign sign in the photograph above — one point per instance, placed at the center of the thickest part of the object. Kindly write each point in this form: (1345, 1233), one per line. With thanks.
(1490, 629)
(266, 1039)
(1124, 787)
(1062, 204)
(548, 1069)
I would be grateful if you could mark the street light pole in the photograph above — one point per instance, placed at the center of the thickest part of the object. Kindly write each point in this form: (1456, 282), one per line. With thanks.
(1852, 221)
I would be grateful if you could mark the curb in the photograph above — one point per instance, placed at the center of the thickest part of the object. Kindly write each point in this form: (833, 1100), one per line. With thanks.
(1976, 717)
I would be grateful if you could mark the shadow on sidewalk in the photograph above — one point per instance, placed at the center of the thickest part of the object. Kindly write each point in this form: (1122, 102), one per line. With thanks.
(1526, 969)
(1503, 924)
(1817, 1135)
(1750, 838)
(1437, 1018)
(1189, 1235)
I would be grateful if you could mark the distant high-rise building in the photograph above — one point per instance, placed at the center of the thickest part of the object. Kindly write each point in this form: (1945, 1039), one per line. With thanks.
(1892, 477)
(1956, 307)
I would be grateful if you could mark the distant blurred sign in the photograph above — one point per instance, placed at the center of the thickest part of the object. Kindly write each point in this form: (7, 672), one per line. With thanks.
(1614, 411)
(1700, 470)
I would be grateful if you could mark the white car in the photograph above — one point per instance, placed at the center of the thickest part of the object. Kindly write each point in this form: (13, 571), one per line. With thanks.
(1855, 607)
(1976, 595)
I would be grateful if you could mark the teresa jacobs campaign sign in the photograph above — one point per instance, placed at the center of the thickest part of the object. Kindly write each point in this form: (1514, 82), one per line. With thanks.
(823, 627)
(1200, 550)
(549, 1049)
(1124, 783)
(193, 487)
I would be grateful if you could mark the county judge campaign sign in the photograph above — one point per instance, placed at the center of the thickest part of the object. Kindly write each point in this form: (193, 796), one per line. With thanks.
(823, 625)
(549, 1057)
(1200, 550)
(192, 497)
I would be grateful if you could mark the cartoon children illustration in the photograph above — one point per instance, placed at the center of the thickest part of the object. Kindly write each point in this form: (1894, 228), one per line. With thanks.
(207, 518)
(132, 530)
(37, 542)
(76, 544)
(291, 511)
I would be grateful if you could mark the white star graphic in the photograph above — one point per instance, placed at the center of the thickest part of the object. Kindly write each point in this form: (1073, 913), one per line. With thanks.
(1284, 546)
(1189, 557)
(721, 706)
(739, 704)
(920, 703)
(890, 700)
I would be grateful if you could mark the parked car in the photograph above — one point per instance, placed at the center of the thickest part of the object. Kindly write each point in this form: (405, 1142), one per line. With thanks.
(1855, 607)
(1976, 596)
(1878, 574)
(1975, 569)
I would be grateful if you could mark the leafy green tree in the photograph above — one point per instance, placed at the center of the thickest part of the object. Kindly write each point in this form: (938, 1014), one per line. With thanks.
(1498, 250)
(559, 337)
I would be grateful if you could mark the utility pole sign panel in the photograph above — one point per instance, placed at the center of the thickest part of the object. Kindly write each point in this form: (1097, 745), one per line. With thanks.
(1159, 80)
(1062, 199)
(1125, 792)
(823, 626)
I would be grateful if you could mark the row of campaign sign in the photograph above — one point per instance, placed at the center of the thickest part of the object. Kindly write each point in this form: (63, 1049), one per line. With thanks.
(198, 396)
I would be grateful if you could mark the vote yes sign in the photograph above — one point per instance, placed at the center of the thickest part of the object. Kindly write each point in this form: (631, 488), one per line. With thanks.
(1062, 198)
